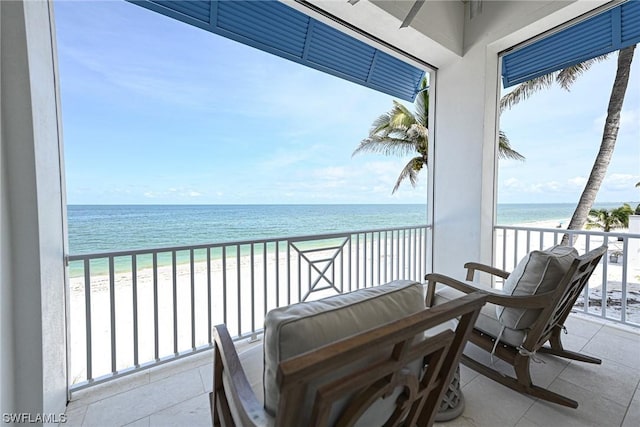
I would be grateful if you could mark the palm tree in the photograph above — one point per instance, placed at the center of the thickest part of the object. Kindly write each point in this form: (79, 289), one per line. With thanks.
(402, 132)
(609, 138)
(565, 78)
(609, 219)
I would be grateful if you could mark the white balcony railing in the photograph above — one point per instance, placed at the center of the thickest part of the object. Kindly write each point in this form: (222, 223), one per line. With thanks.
(614, 289)
(130, 310)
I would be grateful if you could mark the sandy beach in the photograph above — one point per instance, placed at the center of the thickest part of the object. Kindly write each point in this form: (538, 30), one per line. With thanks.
(245, 282)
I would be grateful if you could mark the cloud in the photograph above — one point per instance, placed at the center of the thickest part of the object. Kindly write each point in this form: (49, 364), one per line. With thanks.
(172, 193)
(578, 181)
(514, 185)
(620, 181)
(333, 173)
(283, 158)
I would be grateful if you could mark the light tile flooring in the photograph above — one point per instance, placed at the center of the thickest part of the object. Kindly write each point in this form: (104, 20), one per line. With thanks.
(176, 394)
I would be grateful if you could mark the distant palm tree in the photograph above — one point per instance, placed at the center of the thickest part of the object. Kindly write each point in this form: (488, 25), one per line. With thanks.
(401, 132)
(609, 219)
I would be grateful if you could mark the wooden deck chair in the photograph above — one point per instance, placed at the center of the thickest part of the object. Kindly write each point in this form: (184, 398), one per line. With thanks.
(391, 374)
(530, 311)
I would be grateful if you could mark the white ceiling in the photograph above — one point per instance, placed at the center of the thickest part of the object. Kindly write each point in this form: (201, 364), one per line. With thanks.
(443, 31)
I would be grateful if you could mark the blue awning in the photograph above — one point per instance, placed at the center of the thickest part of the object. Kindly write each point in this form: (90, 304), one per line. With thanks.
(276, 28)
(606, 32)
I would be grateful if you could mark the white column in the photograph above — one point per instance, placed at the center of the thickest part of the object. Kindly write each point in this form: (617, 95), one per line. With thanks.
(32, 290)
(465, 129)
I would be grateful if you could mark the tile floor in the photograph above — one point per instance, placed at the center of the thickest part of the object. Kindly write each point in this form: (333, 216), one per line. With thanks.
(176, 394)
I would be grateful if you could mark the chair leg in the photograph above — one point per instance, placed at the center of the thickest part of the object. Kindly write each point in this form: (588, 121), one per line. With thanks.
(215, 419)
(556, 348)
(523, 382)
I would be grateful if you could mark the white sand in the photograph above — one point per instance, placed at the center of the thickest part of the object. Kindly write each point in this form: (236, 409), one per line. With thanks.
(253, 282)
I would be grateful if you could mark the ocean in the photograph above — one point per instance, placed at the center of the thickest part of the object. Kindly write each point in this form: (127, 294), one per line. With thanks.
(107, 228)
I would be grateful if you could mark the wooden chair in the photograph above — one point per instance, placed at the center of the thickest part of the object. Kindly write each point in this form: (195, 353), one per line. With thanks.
(341, 381)
(518, 346)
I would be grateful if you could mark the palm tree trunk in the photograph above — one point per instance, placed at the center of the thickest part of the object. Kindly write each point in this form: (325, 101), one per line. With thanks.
(609, 137)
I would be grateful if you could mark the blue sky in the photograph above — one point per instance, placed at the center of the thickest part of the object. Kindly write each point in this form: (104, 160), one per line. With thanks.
(155, 111)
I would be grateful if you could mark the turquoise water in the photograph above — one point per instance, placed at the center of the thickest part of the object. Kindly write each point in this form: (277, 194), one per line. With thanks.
(113, 228)
(106, 228)
(518, 213)
(109, 228)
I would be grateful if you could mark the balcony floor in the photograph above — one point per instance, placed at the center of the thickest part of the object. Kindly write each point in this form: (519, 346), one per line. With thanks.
(176, 394)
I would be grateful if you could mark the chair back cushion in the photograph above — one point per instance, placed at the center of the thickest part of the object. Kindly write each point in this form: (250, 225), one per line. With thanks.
(536, 273)
(299, 328)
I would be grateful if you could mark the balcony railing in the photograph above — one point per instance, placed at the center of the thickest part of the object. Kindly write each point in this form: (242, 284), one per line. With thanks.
(614, 289)
(130, 310)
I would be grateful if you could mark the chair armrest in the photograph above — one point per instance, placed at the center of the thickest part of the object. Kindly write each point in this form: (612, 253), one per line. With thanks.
(473, 266)
(527, 301)
(435, 278)
(238, 391)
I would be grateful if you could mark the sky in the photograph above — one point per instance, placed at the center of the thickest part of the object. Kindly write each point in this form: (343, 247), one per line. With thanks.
(159, 112)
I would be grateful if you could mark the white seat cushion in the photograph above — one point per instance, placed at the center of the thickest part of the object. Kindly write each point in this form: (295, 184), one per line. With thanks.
(487, 321)
(299, 328)
(536, 273)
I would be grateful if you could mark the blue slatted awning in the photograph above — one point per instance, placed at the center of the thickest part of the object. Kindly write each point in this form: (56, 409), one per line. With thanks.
(606, 32)
(276, 28)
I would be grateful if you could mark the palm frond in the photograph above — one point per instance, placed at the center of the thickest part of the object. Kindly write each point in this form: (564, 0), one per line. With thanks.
(422, 104)
(408, 172)
(525, 90)
(386, 145)
(566, 77)
(401, 117)
(504, 149)
(381, 124)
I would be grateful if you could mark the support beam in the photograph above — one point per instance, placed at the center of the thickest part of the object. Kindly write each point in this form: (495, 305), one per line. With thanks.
(32, 273)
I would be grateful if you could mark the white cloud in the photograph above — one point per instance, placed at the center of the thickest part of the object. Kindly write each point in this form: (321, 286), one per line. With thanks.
(291, 156)
(514, 185)
(172, 193)
(578, 181)
(333, 172)
(620, 181)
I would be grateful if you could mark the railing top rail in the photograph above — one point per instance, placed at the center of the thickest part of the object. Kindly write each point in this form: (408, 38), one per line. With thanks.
(82, 257)
(564, 231)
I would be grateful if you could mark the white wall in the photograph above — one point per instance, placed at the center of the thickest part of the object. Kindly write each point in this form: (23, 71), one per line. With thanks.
(6, 311)
(32, 209)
